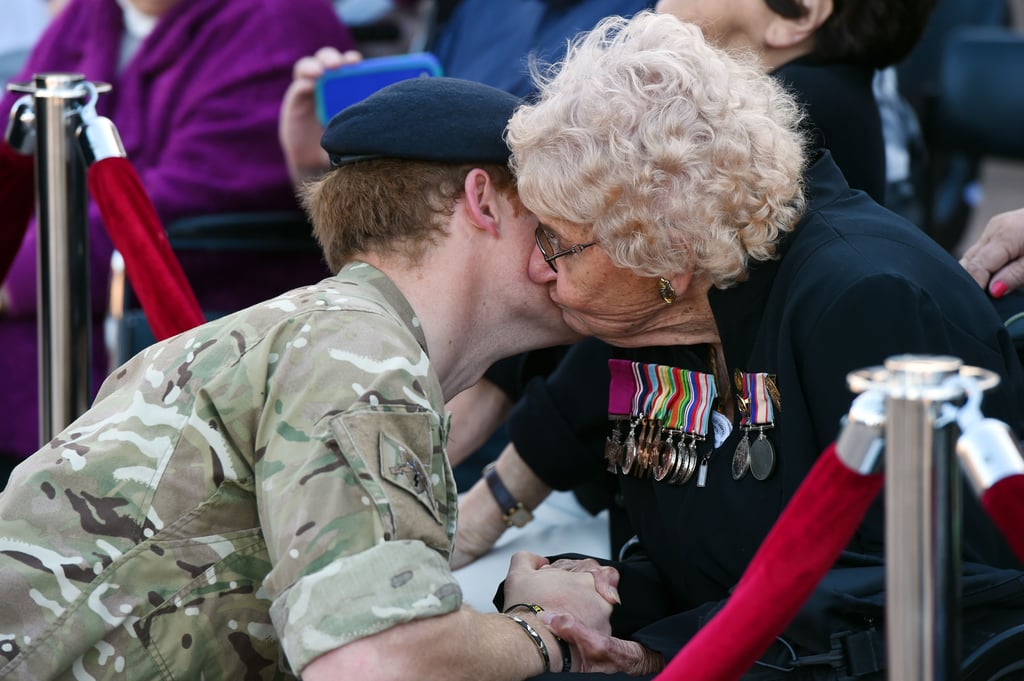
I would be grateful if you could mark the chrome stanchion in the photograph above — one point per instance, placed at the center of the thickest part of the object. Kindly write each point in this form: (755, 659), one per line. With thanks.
(48, 120)
(922, 520)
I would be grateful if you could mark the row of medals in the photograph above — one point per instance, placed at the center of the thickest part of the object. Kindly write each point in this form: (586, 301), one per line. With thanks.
(643, 452)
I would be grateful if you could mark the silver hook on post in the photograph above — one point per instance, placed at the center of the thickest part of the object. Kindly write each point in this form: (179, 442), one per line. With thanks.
(987, 449)
(97, 135)
(861, 442)
(21, 127)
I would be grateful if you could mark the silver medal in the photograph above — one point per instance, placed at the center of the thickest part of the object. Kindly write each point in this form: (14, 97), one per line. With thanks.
(629, 450)
(762, 457)
(666, 459)
(741, 458)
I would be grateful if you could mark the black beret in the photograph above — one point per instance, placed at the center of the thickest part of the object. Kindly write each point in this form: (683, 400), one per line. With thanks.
(449, 120)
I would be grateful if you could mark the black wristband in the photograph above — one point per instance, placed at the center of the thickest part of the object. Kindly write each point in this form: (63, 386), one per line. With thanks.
(566, 654)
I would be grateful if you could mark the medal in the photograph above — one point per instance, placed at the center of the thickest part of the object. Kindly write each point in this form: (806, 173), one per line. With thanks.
(643, 454)
(741, 458)
(667, 459)
(762, 457)
(686, 467)
(666, 403)
(620, 395)
(629, 449)
(650, 452)
(613, 449)
(678, 461)
(758, 395)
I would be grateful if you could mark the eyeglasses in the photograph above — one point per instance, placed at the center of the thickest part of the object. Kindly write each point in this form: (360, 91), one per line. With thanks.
(548, 245)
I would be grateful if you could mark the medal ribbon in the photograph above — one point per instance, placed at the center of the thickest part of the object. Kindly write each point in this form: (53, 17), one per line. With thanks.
(666, 389)
(755, 387)
(622, 388)
(636, 406)
(696, 410)
(670, 397)
(649, 375)
(677, 398)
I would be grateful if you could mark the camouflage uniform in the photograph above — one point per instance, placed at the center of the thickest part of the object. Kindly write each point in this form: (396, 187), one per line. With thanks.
(271, 482)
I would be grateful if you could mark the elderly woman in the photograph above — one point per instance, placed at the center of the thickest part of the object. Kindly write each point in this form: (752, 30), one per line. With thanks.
(678, 208)
(826, 53)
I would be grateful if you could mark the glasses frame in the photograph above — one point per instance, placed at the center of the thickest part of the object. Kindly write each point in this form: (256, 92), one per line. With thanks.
(541, 237)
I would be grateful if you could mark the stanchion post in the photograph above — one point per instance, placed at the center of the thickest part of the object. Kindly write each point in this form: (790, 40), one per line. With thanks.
(924, 410)
(63, 250)
(922, 544)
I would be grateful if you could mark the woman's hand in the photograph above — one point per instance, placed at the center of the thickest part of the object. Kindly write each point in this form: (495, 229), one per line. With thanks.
(595, 651)
(996, 259)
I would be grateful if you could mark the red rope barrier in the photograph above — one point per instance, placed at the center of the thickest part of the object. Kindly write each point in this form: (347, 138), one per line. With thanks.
(1004, 503)
(812, 531)
(17, 196)
(150, 264)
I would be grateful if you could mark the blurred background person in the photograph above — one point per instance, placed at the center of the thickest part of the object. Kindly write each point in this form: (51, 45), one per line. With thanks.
(197, 88)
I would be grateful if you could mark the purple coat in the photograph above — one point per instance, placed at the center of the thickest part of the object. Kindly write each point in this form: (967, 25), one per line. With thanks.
(197, 109)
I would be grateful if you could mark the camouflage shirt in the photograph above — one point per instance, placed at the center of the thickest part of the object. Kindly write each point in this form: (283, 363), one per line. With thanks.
(240, 499)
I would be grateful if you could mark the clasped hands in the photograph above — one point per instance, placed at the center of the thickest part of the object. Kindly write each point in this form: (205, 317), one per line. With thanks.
(578, 597)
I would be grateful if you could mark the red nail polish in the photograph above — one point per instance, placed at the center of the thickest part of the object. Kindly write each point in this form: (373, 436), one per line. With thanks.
(998, 289)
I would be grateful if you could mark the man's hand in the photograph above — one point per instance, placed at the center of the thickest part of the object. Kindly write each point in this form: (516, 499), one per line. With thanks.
(996, 260)
(581, 587)
(594, 651)
(299, 130)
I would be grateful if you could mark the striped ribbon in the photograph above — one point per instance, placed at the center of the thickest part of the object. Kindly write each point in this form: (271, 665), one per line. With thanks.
(677, 398)
(755, 391)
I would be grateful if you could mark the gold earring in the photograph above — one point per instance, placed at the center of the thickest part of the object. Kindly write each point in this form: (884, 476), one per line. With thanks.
(665, 290)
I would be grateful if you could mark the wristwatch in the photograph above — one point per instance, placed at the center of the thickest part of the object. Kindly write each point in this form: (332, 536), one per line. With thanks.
(514, 513)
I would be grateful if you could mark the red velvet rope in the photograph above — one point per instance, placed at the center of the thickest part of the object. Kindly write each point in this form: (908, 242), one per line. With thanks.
(805, 541)
(150, 264)
(17, 197)
(1004, 503)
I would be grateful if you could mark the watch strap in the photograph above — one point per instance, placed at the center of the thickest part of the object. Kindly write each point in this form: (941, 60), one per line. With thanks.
(514, 512)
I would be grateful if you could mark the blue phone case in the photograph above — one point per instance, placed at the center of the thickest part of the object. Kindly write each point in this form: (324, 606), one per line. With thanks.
(347, 85)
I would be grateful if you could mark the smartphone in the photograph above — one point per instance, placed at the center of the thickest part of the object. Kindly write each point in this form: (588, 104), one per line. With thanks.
(339, 88)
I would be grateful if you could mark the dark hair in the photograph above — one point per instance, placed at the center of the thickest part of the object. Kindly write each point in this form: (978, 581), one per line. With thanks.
(875, 33)
(388, 206)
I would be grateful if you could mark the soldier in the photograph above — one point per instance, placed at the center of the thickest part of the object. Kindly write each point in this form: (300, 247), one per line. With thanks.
(268, 495)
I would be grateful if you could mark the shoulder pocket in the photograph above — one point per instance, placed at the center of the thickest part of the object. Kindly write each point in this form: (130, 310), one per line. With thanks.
(408, 480)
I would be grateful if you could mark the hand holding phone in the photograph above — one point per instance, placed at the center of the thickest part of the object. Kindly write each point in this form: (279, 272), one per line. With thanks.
(339, 88)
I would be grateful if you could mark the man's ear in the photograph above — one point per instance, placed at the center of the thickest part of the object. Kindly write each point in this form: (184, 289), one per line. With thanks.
(482, 200)
(783, 33)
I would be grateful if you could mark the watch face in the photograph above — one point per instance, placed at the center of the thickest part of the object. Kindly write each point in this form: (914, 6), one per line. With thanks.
(518, 516)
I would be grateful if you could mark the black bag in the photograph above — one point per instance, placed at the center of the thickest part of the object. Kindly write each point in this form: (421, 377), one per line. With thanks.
(839, 632)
